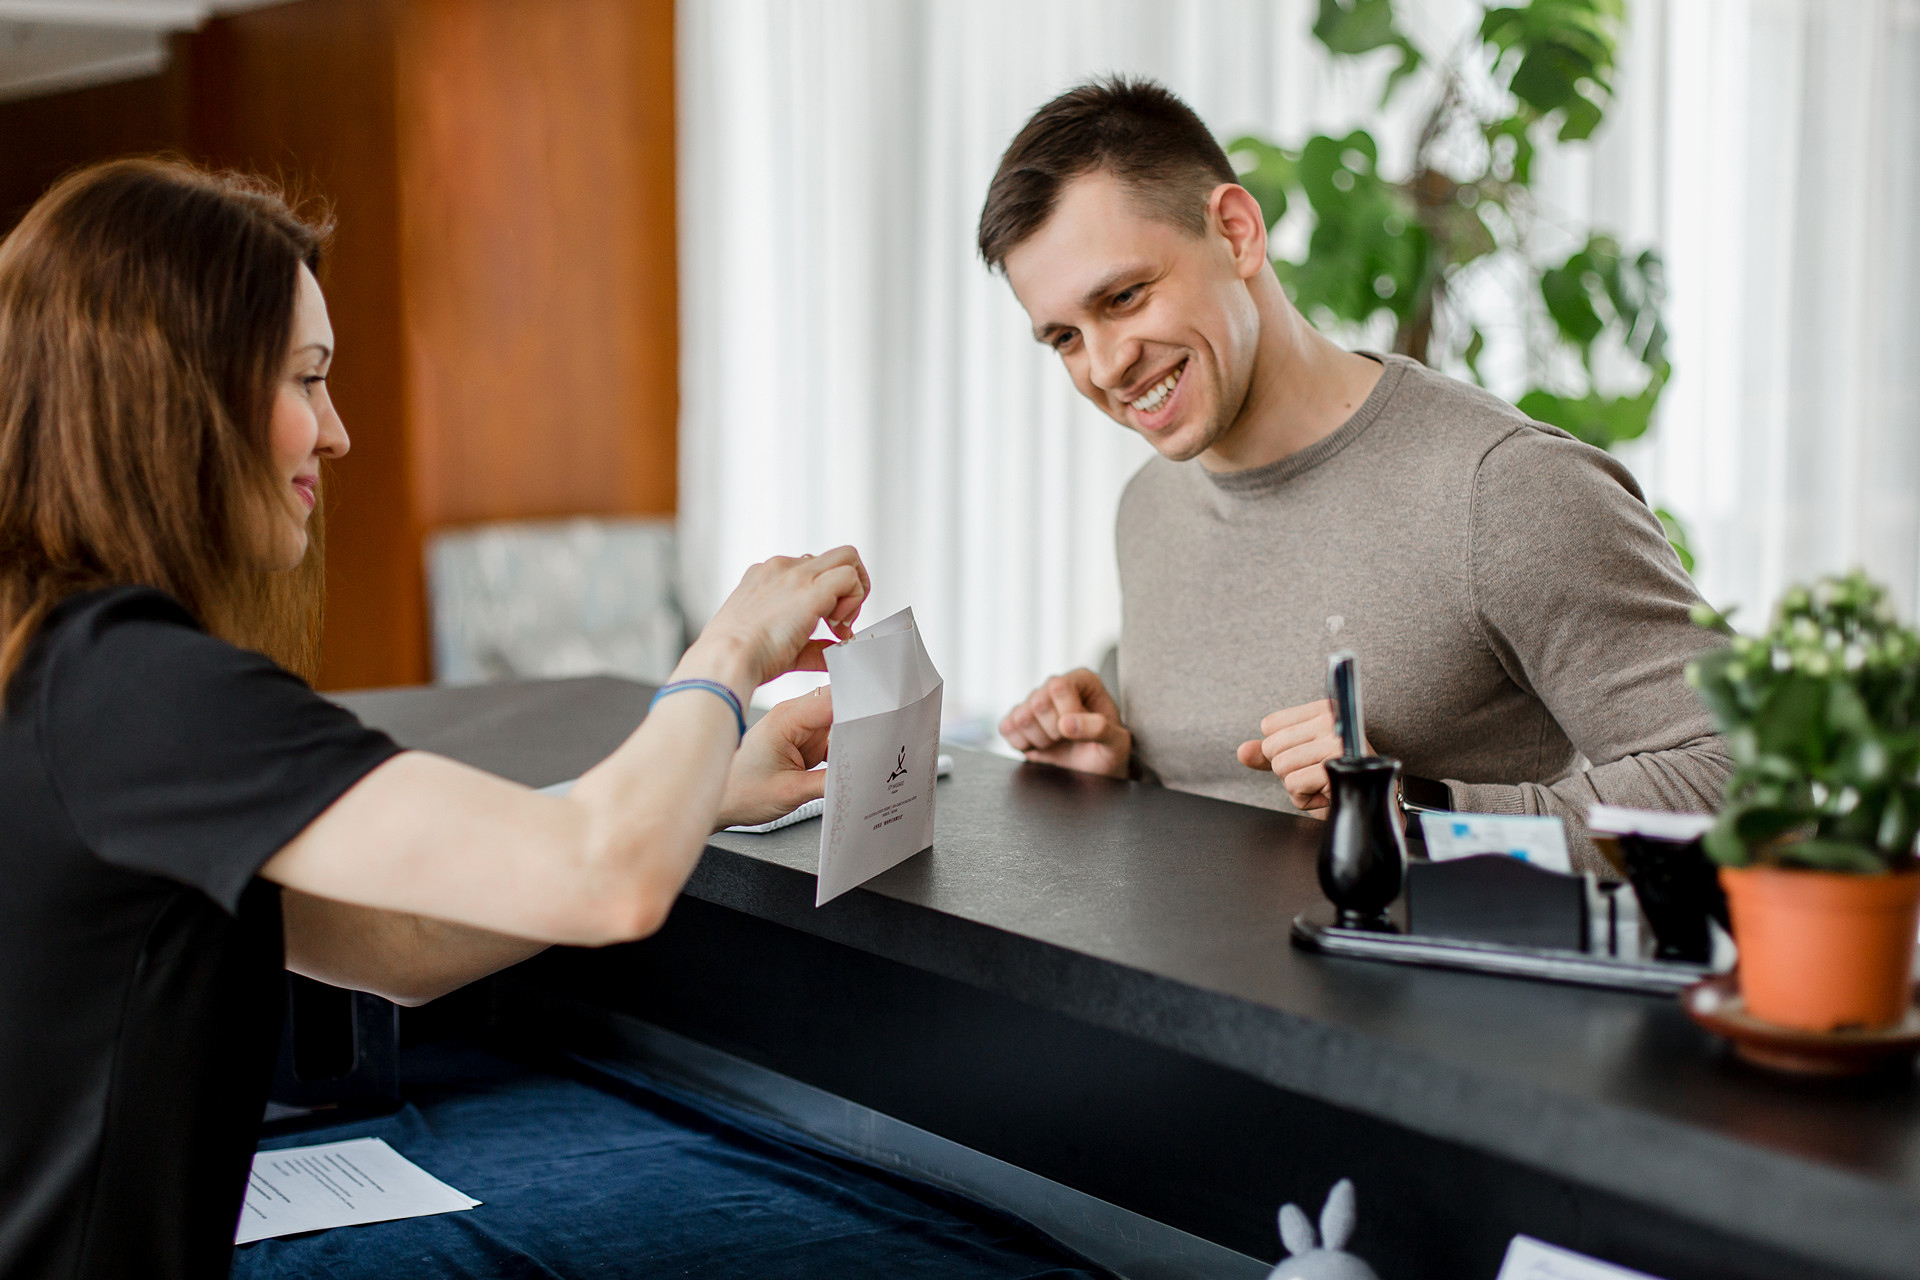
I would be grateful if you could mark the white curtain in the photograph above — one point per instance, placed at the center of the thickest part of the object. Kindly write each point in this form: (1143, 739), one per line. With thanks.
(1789, 152)
(851, 372)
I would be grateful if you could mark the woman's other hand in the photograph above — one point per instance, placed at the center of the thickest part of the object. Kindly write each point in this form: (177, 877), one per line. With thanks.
(765, 628)
(773, 772)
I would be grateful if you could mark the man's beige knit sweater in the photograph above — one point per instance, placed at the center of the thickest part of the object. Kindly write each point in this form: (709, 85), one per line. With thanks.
(1521, 622)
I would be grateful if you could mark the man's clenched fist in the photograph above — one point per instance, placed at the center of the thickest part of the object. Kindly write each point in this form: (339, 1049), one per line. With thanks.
(1071, 721)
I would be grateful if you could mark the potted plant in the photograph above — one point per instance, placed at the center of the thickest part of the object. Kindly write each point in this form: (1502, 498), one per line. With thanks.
(1816, 843)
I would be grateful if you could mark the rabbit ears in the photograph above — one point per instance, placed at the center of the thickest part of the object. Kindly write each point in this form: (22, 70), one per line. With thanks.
(1337, 1220)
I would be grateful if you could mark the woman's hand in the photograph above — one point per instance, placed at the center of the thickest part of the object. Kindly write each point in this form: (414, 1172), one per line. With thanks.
(773, 772)
(765, 628)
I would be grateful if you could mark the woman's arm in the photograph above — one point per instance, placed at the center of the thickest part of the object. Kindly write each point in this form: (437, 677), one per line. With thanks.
(408, 959)
(411, 959)
(422, 835)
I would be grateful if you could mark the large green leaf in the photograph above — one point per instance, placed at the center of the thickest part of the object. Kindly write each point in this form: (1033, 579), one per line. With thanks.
(1267, 172)
(1601, 421)
(1367, 253)
(1558, 57)
(1354, 27)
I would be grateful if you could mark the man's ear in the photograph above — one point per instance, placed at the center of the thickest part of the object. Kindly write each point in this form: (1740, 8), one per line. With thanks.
(1236, 216)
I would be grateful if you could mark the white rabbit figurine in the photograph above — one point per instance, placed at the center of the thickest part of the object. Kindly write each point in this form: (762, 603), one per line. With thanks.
(1321, 1259)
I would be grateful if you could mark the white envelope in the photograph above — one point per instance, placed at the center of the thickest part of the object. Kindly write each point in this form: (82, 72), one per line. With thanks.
(882, 755)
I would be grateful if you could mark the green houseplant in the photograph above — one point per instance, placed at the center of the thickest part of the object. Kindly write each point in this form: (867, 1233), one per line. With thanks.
(1405, 246)
(1816, 843)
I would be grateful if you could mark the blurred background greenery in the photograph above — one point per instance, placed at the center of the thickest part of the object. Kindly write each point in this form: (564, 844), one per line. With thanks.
(1383, 246)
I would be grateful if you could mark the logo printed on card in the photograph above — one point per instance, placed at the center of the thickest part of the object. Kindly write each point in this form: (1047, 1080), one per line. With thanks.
(899, 766)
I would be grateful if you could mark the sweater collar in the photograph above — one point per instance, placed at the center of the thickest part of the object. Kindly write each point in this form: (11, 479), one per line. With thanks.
(1256, 481)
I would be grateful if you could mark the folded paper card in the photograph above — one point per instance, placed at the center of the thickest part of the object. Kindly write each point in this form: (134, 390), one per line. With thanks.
(1612, 820)
(881, 756)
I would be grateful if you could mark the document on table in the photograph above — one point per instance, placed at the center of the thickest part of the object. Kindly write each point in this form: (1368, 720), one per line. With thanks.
(338, 1184)
(1529, 1259)
(882, 754)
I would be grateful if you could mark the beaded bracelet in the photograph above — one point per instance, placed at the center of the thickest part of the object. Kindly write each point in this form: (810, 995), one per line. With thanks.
(711, 686)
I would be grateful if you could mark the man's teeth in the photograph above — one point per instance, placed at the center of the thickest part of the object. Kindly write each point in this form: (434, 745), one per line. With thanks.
(1157, 394)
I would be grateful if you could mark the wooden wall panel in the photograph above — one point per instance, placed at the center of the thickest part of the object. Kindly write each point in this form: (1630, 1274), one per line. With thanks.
(42, 138)
(536, 146)
(501, 281)
(304, 93)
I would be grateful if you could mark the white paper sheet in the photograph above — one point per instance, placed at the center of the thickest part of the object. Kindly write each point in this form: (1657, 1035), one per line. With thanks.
(338, 1184)
(881, 756)
(1529, 1259)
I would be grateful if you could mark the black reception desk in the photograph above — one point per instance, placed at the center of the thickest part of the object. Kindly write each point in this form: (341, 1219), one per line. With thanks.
(1091, 980)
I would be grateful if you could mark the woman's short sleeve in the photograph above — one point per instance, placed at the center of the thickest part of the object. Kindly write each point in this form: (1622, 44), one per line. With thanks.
(178, 754)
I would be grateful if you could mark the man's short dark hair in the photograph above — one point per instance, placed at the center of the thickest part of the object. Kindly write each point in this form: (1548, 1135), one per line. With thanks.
(1134, 129)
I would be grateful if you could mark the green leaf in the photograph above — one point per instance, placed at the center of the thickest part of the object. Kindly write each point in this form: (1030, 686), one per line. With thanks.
(1794, 721)
(1558, 55)
(1410, 61)
(1601, 421)
(1356, 26)
(1758, 826)
(1831, 855)
(1570, 302)
(1368, 251)
(1583, 116)
(1724, 845)
(1267, 172)
(1676, 531)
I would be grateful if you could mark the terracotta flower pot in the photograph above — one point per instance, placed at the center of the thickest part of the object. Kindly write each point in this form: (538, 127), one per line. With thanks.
(1820, 950)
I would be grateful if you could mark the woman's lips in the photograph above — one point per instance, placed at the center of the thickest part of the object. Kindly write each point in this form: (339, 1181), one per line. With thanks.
(306, 487)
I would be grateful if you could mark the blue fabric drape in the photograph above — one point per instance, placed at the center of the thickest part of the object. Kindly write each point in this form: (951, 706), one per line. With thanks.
(633, 1180)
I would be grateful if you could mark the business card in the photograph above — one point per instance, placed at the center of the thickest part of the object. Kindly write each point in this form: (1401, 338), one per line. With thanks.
(1541, 841)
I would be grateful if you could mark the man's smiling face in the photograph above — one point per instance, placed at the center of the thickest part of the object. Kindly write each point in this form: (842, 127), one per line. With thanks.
(1155, 324)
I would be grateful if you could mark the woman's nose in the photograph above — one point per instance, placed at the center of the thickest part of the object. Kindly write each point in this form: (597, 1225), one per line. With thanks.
(333, 441)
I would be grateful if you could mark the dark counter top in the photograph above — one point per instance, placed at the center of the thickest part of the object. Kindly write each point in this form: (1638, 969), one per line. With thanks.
(1164, 916)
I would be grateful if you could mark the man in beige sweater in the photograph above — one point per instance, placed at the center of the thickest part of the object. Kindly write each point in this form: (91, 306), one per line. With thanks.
(1521, 622)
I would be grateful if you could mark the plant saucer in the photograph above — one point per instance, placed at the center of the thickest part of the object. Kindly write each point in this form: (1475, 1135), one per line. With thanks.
(1717, 1005)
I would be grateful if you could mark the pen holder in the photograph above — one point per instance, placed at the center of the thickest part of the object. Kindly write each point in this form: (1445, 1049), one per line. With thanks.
(1363, 854)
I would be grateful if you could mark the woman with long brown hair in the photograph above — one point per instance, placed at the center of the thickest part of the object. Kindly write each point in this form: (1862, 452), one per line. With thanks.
(180, 814)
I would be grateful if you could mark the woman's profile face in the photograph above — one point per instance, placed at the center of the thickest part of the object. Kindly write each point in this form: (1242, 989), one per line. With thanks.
(304, 428)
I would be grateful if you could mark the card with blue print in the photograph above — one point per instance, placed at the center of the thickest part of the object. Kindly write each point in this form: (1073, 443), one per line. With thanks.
(1541, 841)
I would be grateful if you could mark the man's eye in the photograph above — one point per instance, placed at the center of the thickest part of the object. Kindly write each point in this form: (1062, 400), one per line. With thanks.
(1125, 297)
(1062, 341)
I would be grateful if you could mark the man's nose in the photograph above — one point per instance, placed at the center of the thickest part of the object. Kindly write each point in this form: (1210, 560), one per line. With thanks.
(1109, 359)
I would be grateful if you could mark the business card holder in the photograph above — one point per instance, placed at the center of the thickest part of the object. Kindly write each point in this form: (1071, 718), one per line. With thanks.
(1315, 931)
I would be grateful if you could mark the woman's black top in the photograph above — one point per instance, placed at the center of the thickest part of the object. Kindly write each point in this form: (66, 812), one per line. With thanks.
(147, 770)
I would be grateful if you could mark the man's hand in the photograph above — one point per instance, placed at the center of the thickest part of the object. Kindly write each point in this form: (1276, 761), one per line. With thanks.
(1298, 743)
(773, 772)
(1071, 721)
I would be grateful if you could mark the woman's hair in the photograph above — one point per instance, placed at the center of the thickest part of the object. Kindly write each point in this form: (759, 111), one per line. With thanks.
(146, 308)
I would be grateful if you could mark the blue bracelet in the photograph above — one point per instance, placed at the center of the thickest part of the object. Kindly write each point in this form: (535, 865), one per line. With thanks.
(711, 686)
